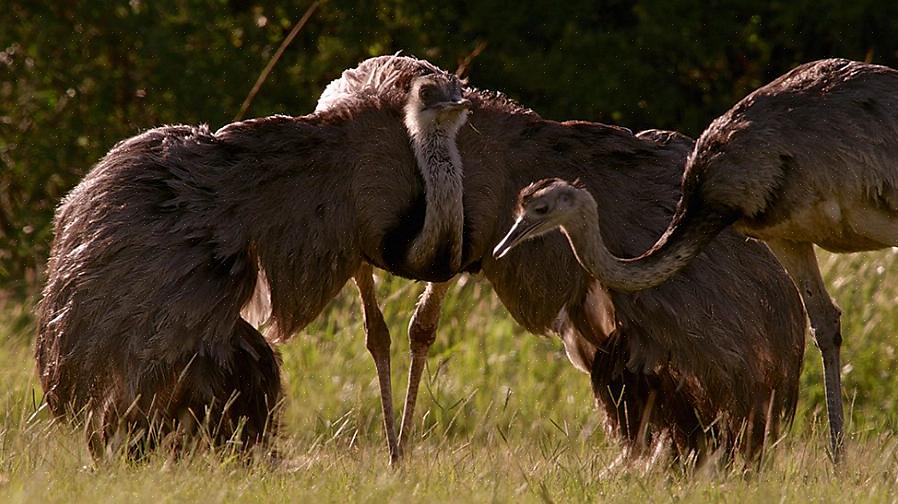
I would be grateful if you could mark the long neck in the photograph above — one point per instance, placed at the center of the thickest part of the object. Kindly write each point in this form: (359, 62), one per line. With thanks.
(635, 175)
(683, 240)
(441, 169)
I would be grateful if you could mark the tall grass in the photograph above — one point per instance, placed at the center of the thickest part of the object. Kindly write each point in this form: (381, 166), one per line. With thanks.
(503, 416)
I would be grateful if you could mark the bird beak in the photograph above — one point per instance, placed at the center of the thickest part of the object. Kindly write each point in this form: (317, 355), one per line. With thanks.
(454, 105)
(519, 232)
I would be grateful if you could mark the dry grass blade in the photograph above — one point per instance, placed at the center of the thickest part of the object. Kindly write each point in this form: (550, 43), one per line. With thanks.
(273, 61)
(465, 64)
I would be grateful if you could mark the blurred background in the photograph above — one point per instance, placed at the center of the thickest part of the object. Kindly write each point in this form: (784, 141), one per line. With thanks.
(78, 76)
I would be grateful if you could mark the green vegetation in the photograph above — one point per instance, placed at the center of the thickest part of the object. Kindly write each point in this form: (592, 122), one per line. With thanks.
(502, 414)
(77, 77)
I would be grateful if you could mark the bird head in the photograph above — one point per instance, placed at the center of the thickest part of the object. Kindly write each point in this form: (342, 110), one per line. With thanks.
(542, 206)
(435, 100)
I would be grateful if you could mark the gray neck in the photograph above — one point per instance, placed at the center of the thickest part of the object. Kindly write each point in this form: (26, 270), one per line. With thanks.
(441, 168)
(628, 275)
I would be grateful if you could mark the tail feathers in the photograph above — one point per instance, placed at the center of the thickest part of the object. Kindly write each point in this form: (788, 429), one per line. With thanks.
(229, 397)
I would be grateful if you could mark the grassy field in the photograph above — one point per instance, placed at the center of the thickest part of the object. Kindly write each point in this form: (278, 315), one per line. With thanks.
(502, 416)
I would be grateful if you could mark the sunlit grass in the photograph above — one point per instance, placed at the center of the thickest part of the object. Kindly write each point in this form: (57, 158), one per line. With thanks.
(502, 416)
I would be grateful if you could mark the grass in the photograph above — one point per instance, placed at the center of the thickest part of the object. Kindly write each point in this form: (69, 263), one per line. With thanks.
(502, 416)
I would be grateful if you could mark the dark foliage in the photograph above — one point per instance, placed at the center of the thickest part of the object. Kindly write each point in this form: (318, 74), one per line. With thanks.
(76, 77)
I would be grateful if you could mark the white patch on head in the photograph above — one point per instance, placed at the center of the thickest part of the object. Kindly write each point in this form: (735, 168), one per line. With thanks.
(424, 121)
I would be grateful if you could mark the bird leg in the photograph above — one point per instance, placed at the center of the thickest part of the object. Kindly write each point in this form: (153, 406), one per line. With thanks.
(421, 334)
(801, 264)
(377, 339)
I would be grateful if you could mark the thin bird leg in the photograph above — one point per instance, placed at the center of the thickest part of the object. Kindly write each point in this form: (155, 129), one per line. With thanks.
(421, 334)
(801, 264)
(377, 339)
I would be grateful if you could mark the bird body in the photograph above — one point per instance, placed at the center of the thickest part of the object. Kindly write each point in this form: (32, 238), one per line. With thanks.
(157, 250)
(723, 341)
(179, 235)
(808, 159)
(430, 236)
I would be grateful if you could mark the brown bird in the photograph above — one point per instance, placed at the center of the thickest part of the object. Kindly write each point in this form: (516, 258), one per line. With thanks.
(723, 342)
(158, 250)
(807, 159)
(433, 113)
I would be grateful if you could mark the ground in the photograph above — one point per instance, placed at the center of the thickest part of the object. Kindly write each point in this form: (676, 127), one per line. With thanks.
(503, 416)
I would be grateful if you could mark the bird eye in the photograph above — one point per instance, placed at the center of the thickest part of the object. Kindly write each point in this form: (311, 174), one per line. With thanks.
(427, 94)
(541, 210)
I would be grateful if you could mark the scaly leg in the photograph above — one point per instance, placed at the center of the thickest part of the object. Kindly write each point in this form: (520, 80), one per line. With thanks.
(801, 264)
(377, 339)
(421, 334)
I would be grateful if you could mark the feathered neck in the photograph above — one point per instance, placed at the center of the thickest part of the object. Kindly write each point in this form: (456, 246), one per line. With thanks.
(440, 166)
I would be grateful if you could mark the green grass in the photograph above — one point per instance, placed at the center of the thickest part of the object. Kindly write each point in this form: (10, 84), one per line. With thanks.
(502, 416)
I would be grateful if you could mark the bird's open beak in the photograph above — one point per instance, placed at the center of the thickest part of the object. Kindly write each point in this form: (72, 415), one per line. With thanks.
(519, 232)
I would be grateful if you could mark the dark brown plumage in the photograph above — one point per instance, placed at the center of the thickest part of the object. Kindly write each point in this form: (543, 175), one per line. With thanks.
(429, 235)
(718, 341)
(157, 251)
(715, 342)
(807, 159)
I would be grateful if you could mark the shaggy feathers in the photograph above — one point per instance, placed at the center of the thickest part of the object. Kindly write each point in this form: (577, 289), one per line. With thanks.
(156, 252)
(727, 331)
